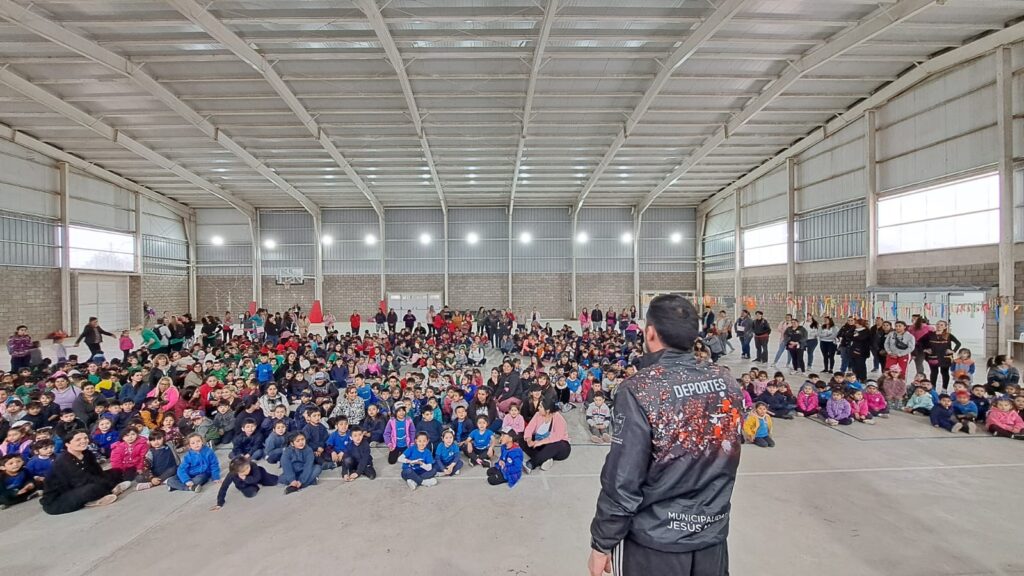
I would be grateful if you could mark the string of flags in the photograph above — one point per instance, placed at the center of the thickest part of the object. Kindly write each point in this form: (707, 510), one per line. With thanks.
(863, 306)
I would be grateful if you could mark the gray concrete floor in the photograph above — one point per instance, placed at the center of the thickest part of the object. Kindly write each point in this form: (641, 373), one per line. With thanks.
(896, 499)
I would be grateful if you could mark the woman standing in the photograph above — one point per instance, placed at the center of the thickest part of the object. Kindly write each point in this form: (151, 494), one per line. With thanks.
(811, 327)
(329, 321)
(939, 347)
(354, 322)
(860, 349)
(547, 438)
(93, 335)
(795, 338)
(919, 328)
(827, 339)
(76, 480)
(227, 326)
(303, 325)
(584, 320)
(19, 346)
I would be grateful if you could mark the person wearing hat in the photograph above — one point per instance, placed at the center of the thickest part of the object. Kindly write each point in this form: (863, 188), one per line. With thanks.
(508, 468)
(666, 486)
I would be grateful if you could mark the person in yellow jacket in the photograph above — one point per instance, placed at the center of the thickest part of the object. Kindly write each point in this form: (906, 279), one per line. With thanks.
(757, 428)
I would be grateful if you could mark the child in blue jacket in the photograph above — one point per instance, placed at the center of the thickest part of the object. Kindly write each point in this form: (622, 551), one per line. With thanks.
(298, 465)
(509, 467)
(942, 415)
(373, 425)
(198, 466)
(965, 411)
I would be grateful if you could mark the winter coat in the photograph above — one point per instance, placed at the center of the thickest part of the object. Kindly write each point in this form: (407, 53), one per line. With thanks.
(195, 463)
(859, 408)
(838, 409)
(129, 457)
(391, 436)
(512, 468)
(1009, 420)
(753, 422)
(807, 402)
(876, 401)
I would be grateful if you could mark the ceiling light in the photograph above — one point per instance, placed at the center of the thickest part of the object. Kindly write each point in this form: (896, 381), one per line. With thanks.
(582, 238)
(217, 240)
(526, 238)
(269, 244)
(676, 238)
(424, 239)
(624, 175)
(370, 239)
(327, 240)
(472, 238)
(626, 237)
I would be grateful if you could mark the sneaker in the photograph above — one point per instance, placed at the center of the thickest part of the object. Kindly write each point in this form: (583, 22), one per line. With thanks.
(484, 463)
(411, 484)
(547, 465)
(607, 438)
(472, 462)
(121, 488)
(956, 428)
(105, 501)
(883, 415)
(972, 427)
(595, 439)
(291, 490)
(459, 471)
(197, 488)
(527, 467)
(831, 422)
(143, 486)
(430, 482)
(870, 421)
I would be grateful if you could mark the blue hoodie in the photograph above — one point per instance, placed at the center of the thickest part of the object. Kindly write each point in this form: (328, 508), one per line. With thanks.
(264, 373)
(298, 465)
(338, 442)
(196, 463)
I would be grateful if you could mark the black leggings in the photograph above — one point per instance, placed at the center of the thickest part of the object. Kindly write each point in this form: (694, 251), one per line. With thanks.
(349, 465)
(797, 356)
(495, 476)
(634, 559)
(556, 451)
(859, 366)
(828, 354)
(394, 454)
(77, 498)
(935, 370)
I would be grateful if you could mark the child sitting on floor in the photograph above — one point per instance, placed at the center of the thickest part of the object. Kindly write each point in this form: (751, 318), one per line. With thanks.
(357, 461)
(245, 475)
(920, 402)
(807, 401)
(161, 462)
(1003, 420)
(877, 405)
(479, 449)
(514, 420)
(129, 454)
(418, 463)
(198, 467)
(509, 466)
(757, 428)
(837, 410)
(16, 484)
(276, 441)
(966, 413)
(447, 455)
(942, 415)
(598, 419)
(894, 388)
(298, 465)
(859, 410)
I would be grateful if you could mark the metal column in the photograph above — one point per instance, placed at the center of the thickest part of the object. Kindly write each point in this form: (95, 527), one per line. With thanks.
(871, 198)
(191, 235)
(738, 256)
(257, 260)
(65, 251)
(572, 278)
(383, 280)
(510, 258)
(702, 222)
(444, 212)
(318, 257)
(638, 218)
(1004, 109)
(791, 226)
(138, 233)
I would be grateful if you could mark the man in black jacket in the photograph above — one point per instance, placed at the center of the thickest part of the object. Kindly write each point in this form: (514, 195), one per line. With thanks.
(667, 482)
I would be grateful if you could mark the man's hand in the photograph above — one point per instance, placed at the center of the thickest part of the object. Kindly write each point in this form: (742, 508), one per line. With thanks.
(599, 563)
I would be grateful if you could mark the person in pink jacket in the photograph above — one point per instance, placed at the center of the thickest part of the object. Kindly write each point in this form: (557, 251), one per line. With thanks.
(876, 401)
(128, 455)
(859, 410)
(1003, 420)
(547, 438)
(807, 401)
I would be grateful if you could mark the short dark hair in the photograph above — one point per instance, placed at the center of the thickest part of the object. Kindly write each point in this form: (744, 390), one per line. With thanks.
(675, 320)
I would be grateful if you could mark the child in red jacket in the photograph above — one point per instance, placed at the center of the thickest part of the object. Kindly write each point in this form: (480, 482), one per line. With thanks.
(859, 408)
(877, 405)
(128, 455)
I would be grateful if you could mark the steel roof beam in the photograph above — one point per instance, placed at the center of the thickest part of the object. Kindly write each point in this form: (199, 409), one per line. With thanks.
(53, 102)
(218, 31)
(72, 41)
(878, 22)
(697, 38)
(531, 90)
(380, 28)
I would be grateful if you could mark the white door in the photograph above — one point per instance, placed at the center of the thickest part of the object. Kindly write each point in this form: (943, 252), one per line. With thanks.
(419, 303)
(106, 298)
(967, 323)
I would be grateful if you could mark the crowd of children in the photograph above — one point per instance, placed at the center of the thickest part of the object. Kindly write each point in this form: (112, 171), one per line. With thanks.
(284, 410)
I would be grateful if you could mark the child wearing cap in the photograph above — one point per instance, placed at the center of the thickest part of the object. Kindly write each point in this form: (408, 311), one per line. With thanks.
(245, 475)
(757, 428)
(965, 411)
(509, 466)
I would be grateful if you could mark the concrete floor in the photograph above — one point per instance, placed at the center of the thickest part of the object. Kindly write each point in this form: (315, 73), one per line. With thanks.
(896, 499)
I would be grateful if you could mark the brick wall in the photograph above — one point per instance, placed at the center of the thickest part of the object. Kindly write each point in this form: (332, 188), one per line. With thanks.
(471, 291)
(217, 294)
(720, 285)
(280, 298)
(667, 281)
(164, 293)
(343, 294)
(29, 296)
(605, 290)
(546, 293)
(759, 287)
(433, 283)
(134, 302)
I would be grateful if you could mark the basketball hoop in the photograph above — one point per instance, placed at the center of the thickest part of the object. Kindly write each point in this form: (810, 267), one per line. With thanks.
(289, 277)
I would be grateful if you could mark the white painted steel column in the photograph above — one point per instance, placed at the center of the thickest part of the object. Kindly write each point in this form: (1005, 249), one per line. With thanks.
(445, 213)
(871, 197)
(509, 258)
(702, 222)
(638, 218)
(738, 257)
(573, 298)
(791, 226)
(191, 235)
(318, 259)
(65, 251)
(1004, 108)
(138, 232)
(383, 280)
(257, 260)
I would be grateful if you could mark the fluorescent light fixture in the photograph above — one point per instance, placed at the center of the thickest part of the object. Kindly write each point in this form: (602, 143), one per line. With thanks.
(269, 244)
(217, 240)
(626, 237)
(327, 240)
(370, 239)
(472, 238)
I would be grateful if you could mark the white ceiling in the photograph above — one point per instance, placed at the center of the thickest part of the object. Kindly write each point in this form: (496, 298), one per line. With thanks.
(469, 65)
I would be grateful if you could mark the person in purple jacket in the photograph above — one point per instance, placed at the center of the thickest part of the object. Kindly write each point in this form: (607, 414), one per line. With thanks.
(837, 410)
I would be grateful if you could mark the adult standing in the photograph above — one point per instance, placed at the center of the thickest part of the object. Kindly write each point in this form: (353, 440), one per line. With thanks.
(844, 339)
(811, 327)
(920, 328)
(745, 330)
(584, 320)
(899, 347)
(827, 335)
(597, 318)
(19, 346)
(795, 338)
(860, 349)
(762, 332)
(93, 335)
(707, 321)
(77, 481)
(667, 482)
(781, 329)
(392, 320)
(724, 326)
(939, 347)
(409, 319)
(354, 322)
(877, 332)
